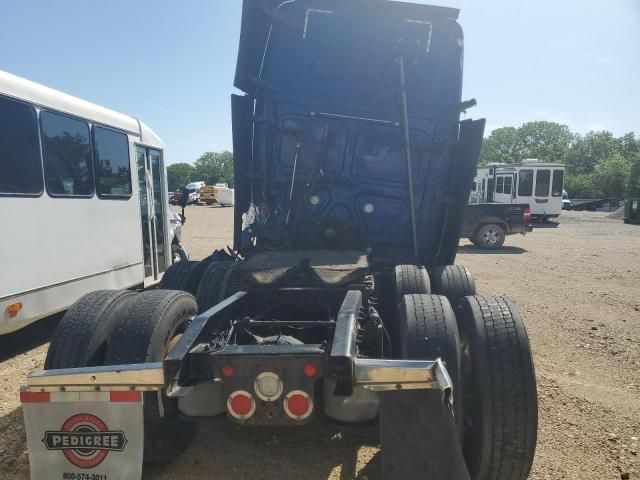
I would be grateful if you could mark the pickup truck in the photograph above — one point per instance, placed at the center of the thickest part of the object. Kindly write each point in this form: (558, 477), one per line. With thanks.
(487, 224)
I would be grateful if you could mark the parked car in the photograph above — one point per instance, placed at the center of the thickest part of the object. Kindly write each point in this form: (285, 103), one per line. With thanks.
(487, 224)
(178, 252)
(566, 201)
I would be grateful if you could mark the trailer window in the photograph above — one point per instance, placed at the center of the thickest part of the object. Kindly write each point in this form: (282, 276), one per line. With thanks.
(525, 185)
(20, 164)
(113, 171)
(500, 184)
(507, 185)
(67, 155)
(558, 183)
(543, 178)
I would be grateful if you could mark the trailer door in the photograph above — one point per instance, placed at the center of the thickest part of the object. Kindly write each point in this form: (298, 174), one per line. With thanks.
(152, 213)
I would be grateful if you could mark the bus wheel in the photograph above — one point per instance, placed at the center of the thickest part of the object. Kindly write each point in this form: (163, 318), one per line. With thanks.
(184, 275)
(151, 326)
(453, 281)
(490, 236)
(412, 420)
(80, 339)
(214, 284)
(501, 409)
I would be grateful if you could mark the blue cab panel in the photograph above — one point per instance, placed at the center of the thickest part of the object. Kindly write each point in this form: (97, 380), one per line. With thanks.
(320, 137)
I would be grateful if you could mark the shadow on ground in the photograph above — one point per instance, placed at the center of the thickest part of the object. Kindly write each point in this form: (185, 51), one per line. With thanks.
(28, 338)
(505, 250)
(319, 451)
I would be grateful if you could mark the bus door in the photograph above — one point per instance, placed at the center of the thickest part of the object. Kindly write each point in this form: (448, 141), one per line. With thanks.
(541, 189)
(152, 212)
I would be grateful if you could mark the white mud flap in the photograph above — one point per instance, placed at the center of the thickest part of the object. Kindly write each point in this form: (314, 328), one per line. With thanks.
(84, 435)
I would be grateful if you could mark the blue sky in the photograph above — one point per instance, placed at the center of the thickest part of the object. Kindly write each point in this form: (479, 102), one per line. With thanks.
(171, 63)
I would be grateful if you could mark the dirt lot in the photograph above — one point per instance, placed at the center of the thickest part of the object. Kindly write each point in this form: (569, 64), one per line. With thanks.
(578, 287)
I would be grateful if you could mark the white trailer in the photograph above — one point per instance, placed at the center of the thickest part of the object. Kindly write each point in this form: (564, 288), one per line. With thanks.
(537, 183)
(83, 201)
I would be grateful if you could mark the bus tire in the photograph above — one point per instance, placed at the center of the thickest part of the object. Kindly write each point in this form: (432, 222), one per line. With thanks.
(453, 281)
(214, 285)
(183, 275)
(80, 340)
(501, 409)
(148, 330)
(490, 236)
(413, 421)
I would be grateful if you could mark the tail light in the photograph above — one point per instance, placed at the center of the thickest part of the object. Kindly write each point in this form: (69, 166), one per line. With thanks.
(527, 214)
(241, 405)
(298, 405)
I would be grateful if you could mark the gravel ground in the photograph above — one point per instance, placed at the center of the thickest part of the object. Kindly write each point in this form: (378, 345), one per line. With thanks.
(578, 287)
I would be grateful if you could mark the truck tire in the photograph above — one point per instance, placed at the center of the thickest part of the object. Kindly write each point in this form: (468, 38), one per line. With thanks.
(489, 236)
(429, 330)
(214, 284)
(414, 422)
(501, 409)
(80, 339)
(183, 275)
(149, 328)
(411, 279)
(453, 281)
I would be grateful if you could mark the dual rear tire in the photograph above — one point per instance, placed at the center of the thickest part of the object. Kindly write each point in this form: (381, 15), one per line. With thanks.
(122, 327)
(485, 348)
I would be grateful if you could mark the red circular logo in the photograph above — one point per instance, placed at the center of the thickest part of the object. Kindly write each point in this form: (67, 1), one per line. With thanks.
(85, 457)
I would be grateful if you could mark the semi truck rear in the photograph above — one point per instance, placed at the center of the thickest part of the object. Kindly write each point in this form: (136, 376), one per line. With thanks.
(340, 297)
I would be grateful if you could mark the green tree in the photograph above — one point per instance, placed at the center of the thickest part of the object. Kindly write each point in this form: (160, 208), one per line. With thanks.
(589, 150)
(633, 185)
(581, 185)
(214, 167)
(179, 174)
(612, 175)
(502, 146)
(546, 141)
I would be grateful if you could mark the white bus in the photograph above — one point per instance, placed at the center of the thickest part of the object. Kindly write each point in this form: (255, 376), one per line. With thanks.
(82, 200)
(537, 183)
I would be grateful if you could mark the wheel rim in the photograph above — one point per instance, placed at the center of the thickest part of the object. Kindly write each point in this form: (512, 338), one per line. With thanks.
(490, 236)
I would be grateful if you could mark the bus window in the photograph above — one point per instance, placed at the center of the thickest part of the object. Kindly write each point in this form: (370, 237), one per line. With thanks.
(543, 178)
(507, 185)
(558, 183)
(499, 184)
(20, 165)
(525, 185)
(113, 172)
(68, 169)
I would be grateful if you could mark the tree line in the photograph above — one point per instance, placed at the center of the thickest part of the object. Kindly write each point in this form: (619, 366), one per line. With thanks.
(210, 167)
(599, 165)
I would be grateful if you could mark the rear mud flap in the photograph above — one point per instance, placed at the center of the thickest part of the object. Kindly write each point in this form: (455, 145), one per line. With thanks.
(76, 435)
(418, 437)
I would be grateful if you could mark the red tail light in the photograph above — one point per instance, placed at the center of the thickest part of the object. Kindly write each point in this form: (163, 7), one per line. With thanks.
(298, 405)
(527, 214)
(241, 405)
